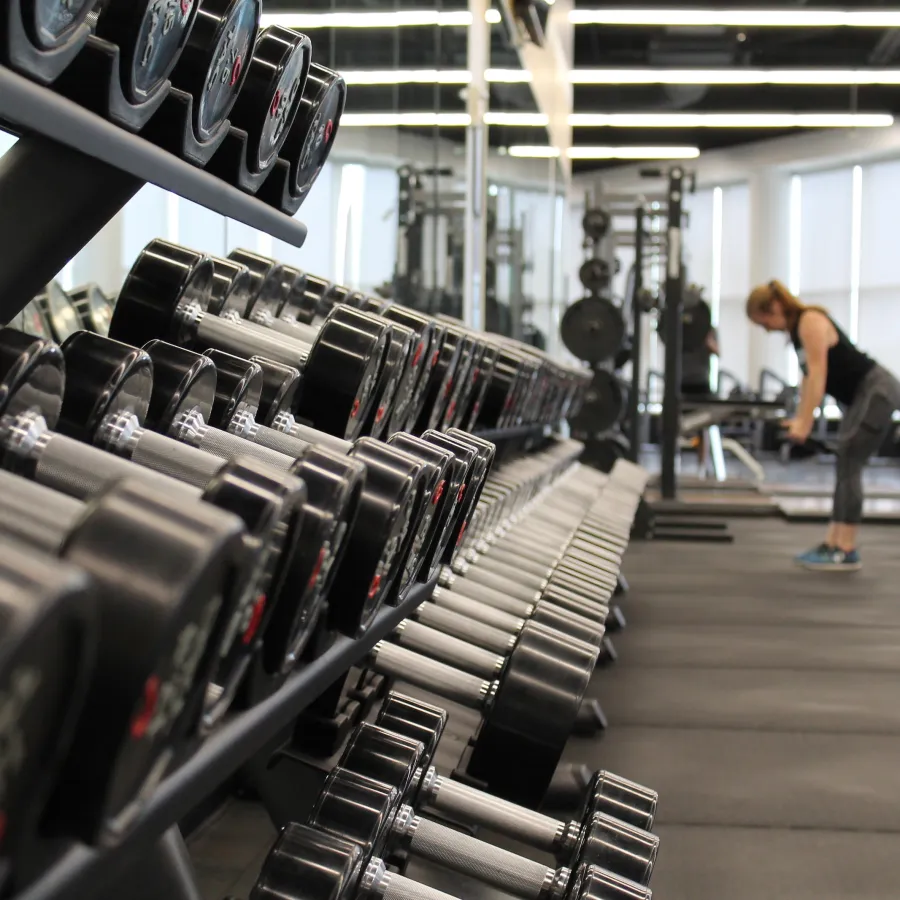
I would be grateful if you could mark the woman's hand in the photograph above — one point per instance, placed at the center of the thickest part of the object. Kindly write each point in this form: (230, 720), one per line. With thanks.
(798, 430)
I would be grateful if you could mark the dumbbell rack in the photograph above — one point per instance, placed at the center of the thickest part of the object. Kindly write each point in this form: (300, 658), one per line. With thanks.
(84, 169)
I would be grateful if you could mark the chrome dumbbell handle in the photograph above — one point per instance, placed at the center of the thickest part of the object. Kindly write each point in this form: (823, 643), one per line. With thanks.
(489, 596)
(448, 649)
(380, 884)
(478, 808)
(479, 611)
(465, 628)
(430, 675)
(509, 872)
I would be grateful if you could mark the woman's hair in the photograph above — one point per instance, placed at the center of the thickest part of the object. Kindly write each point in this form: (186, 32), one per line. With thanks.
(762, 298)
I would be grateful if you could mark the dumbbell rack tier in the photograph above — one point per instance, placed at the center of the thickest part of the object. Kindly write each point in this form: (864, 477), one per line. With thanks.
(72, 171)
(86, 872)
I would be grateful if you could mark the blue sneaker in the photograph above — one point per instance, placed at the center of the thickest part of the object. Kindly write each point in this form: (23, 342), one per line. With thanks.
(829, 559)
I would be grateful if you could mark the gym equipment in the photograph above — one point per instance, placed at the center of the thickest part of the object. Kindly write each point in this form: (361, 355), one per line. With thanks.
(180, 401)
(161, 565)
(528, 713)
(603, 404)
(309, 140)
(268, 102)
(150, 36)
(58, 311)
(268, 501)
(48, 641)
(92, 307)
(402, 762)
(595, 275)
(167, 295)
(374, 815)
(424, 724)
(696, 323)
(593, 329)
(603, 451)
(212, 65)
(595, 222)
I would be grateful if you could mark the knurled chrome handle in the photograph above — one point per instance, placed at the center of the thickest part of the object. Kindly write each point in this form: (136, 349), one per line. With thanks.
(466, 628)
(451, 650)
(229, 446)
(170, 457)
(478, 610)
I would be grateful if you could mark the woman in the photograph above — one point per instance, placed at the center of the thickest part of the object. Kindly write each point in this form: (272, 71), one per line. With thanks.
(867, 392)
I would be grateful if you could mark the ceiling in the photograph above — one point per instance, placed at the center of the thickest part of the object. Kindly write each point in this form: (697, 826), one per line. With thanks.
(656, 47)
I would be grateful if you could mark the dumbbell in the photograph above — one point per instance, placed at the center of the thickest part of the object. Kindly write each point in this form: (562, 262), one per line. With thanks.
(167, 295)
(374, 815)
(424, 723)
(161, 566)
(270, 502)
(307, 864)
(238, 392)
(259, 301)
(93, 308)
(598, 836)
(178, 392)
(527, 713)
(49, 616)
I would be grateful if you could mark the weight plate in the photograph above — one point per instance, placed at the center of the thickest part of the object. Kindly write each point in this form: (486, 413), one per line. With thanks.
(595, 275)
(50, 23)
(279, 389)
(213, 65)
(413, 719)
(312, 136)
(595, 223)
(151, 35)
(34, 322)
(602, 453)
(232, 288)
(184, 385)
(58, 311)
(696, 323)
(268, 102)
(93, 308)
(266, 284)
(602, 406)
(592, 329)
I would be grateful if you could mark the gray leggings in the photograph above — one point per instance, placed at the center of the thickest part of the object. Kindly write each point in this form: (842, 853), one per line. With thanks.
(865, 425)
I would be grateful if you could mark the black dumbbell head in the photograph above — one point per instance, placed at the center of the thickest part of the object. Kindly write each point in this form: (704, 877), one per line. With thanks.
(232, 288)
(105, 379)
(414, 719)
(32, 376)
(183, 382)
(384, 756)
(239, 385)
(279, 389)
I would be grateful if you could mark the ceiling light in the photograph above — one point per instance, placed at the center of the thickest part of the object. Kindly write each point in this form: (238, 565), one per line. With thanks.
(739, 18)
(431, 76)
(730, 120)
(398, 120)
(532, 151)
(396, 19)
(736, 76)
(525, 120)
(633, 152)
(529, 151)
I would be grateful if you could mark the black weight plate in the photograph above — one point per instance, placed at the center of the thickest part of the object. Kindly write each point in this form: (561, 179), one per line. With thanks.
(396, 364)
(58, 311)
(595, 275)
(150, 35)
(593, 883)
(308, 864)
(595, 223)
(603, 404)
(592, 329)
(312, 135)
(48, 636)
(696, 324)
(239, 384)
(279, 390)
(266, 282)
(93, 308)
(268, 102)
(213, 65)
(32, 377)
(528, 723)
(384, 756)
(232, 289)
(183, 382)
(50, 23)
(602, 453)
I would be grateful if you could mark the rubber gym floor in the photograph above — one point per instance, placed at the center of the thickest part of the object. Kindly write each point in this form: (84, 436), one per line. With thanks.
(760, 700)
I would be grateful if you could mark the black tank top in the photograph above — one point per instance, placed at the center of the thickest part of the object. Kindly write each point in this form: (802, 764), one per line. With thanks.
(847, 365)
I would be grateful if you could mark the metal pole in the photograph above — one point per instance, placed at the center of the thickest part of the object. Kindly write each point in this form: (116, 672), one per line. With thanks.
(671, 414)
(478, 50)
(636, 338)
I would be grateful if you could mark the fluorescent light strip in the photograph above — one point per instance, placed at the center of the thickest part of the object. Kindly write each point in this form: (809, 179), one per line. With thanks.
(399, 19)
(432, 76)
(536, 151)
(626, 120)
(736, 76)
(739, 18)
(731, 120)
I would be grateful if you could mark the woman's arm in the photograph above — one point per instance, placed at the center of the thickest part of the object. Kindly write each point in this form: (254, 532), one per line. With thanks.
(816, 335)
